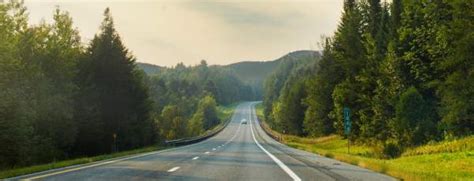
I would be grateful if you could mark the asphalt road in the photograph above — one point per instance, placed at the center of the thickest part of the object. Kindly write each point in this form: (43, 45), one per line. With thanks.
(239, 152)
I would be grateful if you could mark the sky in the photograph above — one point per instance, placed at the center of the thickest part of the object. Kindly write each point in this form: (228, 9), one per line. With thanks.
(166, 32)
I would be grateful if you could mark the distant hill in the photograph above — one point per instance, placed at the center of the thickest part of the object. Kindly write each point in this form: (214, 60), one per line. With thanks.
(255, 72)
(252, 73)
(149, 69)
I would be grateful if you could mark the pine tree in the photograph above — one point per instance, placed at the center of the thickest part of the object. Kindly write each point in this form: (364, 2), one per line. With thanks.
(457, 89)
(349, 53)
(121, 97)
(372, 128)
(319, 102)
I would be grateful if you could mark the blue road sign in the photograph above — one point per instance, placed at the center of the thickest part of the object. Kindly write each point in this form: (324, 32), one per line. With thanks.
(347, 121)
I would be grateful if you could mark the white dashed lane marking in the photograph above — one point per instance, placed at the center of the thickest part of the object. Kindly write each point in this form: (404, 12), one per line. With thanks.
(173, 169)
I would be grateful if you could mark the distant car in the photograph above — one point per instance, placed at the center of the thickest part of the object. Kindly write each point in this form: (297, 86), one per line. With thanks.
(244, 121)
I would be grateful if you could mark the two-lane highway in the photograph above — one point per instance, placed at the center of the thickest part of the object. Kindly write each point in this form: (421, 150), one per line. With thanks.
(239, 152)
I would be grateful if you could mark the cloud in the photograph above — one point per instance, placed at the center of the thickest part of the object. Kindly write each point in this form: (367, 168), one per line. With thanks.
(166, 32)
(239, 13)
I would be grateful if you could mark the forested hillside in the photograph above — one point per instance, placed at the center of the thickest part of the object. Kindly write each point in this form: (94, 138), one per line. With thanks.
(250, 74)
(285, 89)
(63, 99)
(184, 98)
(404, 69)
(149, 69)
(255, 73)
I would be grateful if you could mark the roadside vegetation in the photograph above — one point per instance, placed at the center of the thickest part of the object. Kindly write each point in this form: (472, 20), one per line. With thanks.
(444, 160)
(404, 69)
(65, 99)
(223, 112)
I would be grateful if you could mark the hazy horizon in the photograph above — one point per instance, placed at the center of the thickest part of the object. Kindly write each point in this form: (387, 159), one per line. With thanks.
(165, 32)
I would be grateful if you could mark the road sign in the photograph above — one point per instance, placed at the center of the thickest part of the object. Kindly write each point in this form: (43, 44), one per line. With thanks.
(347, 121)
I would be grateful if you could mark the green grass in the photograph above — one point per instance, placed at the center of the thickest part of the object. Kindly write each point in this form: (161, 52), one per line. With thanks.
(38, 168)
(446, 160)
(224, 113)
(451, 146)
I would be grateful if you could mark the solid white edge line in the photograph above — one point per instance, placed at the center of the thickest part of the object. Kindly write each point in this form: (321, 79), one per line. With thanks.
(88, 166)
(275, 159)
(173, 169)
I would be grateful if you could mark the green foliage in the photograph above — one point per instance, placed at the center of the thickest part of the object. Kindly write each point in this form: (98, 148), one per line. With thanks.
(60, 101)
(117, 93)
(446, 146)
(458, 86)
(208, 107)
(37, 110)
(413, 124)
(442, 165)
(205, 117)
(414, 164)
(181, 83)
(255, 73)
(285, 91)
(290, 115)
(172, 124)
(319, 102)
(404, 69)
(391, 150)
(194, 93)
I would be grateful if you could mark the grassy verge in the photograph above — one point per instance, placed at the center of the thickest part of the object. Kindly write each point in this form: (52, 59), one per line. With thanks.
(447, 160)
(38, 168)
(224, 113)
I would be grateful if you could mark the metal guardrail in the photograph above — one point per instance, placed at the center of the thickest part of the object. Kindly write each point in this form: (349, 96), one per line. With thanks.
(191, 140)
(266, 128)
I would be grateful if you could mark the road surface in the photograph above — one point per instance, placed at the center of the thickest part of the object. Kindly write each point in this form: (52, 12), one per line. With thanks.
(239, 152)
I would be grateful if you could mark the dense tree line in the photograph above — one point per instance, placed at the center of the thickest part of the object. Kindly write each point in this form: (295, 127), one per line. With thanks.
(186, 96)
(284, 91)
(405, 70)
(60, 98)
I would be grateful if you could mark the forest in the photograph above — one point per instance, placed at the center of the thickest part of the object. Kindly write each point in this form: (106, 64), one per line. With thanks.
(405, 70)
(185, 96)
(62, 98)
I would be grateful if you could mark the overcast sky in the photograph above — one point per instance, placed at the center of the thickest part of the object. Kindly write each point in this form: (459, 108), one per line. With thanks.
(165, 32)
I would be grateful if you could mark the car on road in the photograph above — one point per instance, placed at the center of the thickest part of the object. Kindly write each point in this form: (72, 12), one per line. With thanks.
(244, 121)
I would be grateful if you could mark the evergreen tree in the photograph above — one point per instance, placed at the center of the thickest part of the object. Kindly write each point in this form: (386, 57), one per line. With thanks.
(121, 103)
(371, 128)
(457, 89)
(413, 123)
(349, 53)
(15, 125)
(319, 102)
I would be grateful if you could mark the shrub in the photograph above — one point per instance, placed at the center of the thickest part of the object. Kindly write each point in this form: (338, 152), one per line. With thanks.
(414, 122)
(391, 150)
(329, 155)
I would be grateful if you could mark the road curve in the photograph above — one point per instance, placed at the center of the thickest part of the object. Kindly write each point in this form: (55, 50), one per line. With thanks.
(239, 152)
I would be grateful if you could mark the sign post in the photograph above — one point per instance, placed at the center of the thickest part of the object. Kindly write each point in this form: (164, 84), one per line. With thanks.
(347, 125)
